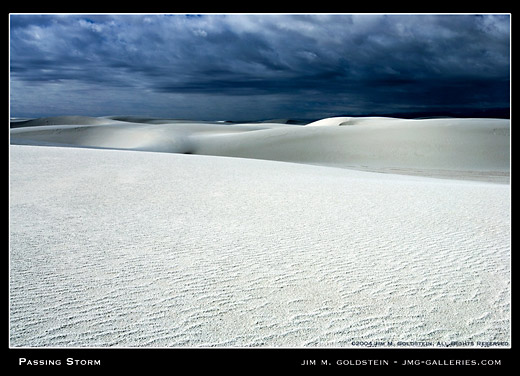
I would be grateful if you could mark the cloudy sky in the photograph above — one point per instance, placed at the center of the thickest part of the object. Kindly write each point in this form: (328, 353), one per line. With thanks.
(239, 67)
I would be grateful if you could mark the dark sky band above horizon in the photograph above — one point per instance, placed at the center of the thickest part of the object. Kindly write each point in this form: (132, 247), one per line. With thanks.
(247, 66)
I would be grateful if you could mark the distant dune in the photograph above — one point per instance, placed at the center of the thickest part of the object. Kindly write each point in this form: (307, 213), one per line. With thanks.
(465, 148)
(122, 236)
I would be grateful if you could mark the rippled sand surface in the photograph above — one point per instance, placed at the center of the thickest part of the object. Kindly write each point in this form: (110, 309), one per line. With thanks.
(142, 249)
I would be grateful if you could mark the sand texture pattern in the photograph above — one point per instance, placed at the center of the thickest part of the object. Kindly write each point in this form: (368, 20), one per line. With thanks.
(131, 248)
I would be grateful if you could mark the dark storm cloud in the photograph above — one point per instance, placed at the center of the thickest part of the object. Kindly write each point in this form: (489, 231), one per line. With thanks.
(377, 60)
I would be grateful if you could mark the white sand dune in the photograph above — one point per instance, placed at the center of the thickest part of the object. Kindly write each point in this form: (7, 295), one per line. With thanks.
(463, 148)
(147, 247)
(132, 249)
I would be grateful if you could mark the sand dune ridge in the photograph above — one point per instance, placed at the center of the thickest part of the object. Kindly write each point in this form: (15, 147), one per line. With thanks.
(433, 147)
